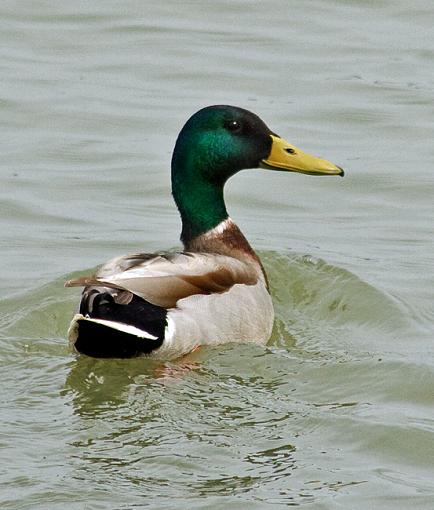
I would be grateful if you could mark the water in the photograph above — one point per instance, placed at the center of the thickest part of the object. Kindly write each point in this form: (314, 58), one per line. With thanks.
(337, 411)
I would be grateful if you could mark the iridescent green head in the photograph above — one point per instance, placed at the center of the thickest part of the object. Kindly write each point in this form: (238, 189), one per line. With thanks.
(214, 144)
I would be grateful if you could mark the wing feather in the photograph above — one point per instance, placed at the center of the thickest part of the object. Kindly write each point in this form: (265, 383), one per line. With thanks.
(164, 279)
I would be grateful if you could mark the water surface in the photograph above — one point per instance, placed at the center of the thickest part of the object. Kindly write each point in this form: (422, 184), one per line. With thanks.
(337, 411)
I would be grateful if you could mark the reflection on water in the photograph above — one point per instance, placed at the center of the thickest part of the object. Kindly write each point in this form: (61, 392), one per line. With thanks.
(159, 426)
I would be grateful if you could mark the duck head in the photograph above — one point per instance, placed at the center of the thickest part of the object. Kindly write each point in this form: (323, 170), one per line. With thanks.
(214, 144)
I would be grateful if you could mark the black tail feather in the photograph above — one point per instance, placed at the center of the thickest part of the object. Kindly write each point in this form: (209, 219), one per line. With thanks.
(100, 341)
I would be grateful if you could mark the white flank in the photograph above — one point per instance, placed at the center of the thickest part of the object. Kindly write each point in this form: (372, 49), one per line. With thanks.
(238, 315)
(169, 330)
(125, 328)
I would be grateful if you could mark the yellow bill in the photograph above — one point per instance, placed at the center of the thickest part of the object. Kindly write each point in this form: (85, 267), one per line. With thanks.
(287, 157)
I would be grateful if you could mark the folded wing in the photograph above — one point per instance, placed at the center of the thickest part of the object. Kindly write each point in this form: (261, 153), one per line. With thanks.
(164, 279)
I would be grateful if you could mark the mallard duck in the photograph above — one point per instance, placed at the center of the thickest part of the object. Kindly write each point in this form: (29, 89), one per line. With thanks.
(165, 305)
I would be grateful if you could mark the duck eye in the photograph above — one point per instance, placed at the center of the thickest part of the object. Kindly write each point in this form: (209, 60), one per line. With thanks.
(233, 125)
(289, 150)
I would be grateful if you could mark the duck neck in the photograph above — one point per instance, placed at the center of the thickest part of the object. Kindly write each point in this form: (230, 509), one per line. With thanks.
(200, 203)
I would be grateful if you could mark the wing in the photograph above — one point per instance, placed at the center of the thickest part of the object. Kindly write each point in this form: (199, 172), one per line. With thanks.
(163, 279)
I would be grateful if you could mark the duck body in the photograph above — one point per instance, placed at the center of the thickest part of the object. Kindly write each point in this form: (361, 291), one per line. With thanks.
(215, 291)
(165, 305)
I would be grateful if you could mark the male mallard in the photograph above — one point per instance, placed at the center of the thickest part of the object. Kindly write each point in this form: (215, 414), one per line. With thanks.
(215, 291)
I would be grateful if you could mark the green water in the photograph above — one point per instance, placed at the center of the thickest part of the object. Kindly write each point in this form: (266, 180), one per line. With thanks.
(337, 411)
